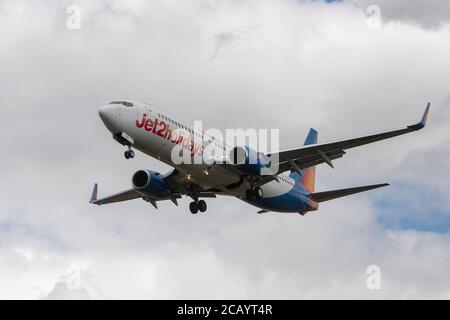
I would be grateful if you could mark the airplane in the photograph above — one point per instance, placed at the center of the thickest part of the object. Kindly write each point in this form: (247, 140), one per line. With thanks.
(290, 188)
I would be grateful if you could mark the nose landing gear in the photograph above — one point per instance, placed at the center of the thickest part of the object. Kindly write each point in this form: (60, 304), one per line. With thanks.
(195, 207)
(202, 206)
(129, 154)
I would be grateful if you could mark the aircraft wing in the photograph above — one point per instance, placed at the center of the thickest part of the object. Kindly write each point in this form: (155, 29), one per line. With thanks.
(118, 197)
(312, 155)
(178, 185)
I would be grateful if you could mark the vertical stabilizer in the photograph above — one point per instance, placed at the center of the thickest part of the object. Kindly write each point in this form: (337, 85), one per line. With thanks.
(309, 174)
(307, 177)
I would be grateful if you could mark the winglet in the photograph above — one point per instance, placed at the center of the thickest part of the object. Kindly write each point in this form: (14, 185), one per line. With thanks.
(422, 122)
(94, 194)
(311, 138)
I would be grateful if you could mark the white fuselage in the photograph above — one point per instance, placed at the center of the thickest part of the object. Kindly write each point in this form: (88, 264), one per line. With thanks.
(154, 133)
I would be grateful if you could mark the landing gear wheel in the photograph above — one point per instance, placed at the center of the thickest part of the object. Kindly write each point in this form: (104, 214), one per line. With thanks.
(258, 193)
(202, 206)
(254, 194)
(193, 207)
(129, 154)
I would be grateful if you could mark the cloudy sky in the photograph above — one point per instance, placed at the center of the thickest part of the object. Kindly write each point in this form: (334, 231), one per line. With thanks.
(345, 68)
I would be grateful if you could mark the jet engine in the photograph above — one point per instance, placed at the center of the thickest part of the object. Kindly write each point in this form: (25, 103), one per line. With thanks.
(151, 183)
(248, 161)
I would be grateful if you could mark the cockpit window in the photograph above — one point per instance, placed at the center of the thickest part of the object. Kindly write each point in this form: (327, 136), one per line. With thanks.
(125, 103)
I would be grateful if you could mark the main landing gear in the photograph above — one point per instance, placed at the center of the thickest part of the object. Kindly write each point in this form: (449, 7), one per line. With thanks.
(129, 154)
(197, 206)
(254, 194)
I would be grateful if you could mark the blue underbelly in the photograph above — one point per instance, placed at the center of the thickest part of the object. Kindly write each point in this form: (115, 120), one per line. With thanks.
(288, 202)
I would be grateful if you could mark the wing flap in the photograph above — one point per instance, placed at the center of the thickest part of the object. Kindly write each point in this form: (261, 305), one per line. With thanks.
(311, 160)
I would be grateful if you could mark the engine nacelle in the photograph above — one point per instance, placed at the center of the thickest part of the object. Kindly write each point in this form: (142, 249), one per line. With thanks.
(248, 161)
(150, 183)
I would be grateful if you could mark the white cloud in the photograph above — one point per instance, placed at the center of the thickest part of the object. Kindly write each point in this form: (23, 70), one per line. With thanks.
(285, 64)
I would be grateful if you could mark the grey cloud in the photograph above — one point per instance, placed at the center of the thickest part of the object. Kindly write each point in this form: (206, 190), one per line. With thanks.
(62, 292)
(222, 39)
(428, 14)
(75, 284)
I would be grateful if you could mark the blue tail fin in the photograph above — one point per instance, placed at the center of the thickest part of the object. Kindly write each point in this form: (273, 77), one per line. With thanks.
(94, 193)
(308, 178)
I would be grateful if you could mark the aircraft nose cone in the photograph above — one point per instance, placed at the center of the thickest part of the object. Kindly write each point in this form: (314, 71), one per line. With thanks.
(106, 113)
(103, 112)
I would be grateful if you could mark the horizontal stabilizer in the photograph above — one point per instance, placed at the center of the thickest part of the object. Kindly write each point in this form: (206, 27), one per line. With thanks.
(334, 194)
